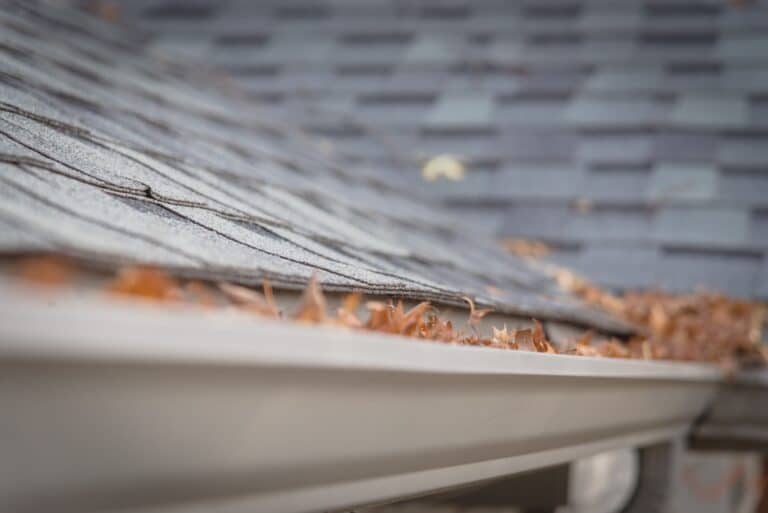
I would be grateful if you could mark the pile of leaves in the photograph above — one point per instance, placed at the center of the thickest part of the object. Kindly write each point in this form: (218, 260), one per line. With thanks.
(702, 326)
(421, 321)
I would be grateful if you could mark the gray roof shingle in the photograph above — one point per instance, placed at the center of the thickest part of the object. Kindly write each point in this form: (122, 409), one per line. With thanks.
(655, 107)
(107, 153)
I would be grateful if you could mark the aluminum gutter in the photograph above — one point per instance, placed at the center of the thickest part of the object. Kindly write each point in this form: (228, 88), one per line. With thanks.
(738, 418)
(112, 406)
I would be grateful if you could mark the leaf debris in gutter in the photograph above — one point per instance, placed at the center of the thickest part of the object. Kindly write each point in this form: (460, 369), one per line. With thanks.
(701, 326)
(698, 326)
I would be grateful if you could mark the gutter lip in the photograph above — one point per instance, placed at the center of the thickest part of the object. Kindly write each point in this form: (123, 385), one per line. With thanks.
(756, 377)
(141, 333)
(182, 410)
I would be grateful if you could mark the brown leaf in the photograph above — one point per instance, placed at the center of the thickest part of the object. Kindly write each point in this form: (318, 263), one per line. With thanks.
(145, 282)
(524, 340)
(250, 300)
(570, 281)
(200, 293)
(312, 305)
(539, 338)
(269, 298)
(394, 319)
(583, 350)
(47, 270)
(647, 351)
(613, 349)
(586, 338)
(346, 314)
(503, 337)
(437, 329)
(379, 316)
(526, 248)
(757, 324)
(413, 319)
(475, 315)
(658, 320)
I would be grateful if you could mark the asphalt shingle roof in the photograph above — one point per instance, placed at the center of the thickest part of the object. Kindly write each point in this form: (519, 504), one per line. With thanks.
(654, 112)
(111, 155)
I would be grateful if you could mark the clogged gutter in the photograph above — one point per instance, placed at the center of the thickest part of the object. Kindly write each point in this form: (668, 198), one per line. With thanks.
(702, 326)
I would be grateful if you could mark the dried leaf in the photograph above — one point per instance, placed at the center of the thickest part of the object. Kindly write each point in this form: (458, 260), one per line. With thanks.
(47, 270)
(526, 248)
(379, 316)
(346, 314)
(540, 341)
(413, 319)
(586, 338)
(312, 305)
(437, 329)
(475, 315)
(503, 338)
(757, 325)
(443, 166)
(250, 300)
(524, 340)
(583, 350)
(613, 349)
(658, 319)
(200, 293)
(147, 283)
(570, 281)
(351, 302)
(269, 297)
(647, 352)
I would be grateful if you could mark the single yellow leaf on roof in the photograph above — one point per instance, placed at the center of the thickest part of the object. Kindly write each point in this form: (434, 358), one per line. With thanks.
(443, 166)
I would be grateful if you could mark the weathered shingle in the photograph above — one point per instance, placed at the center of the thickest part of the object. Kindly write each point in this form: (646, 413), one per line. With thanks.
(617, 185)
(535, 220)
(747, 151)
(629, 97)
(762, 279)
(109, 154)
(626, 79)
(743, 48)
(536, 181)
(615, 113)
(702, 226)
(616, 150)
(682, 181)
(710, 111)
(611, 261)
(758, 233)
(433, 50)
(744, 187)
(456, 110)
(686, 146)
(736, 273)
(610, 224)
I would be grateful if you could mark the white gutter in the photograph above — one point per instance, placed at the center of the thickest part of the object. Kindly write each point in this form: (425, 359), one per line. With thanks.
(738, 418)
(110, 406)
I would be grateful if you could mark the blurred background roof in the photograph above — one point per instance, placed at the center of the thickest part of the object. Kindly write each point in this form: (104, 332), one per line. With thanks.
(631, 136)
